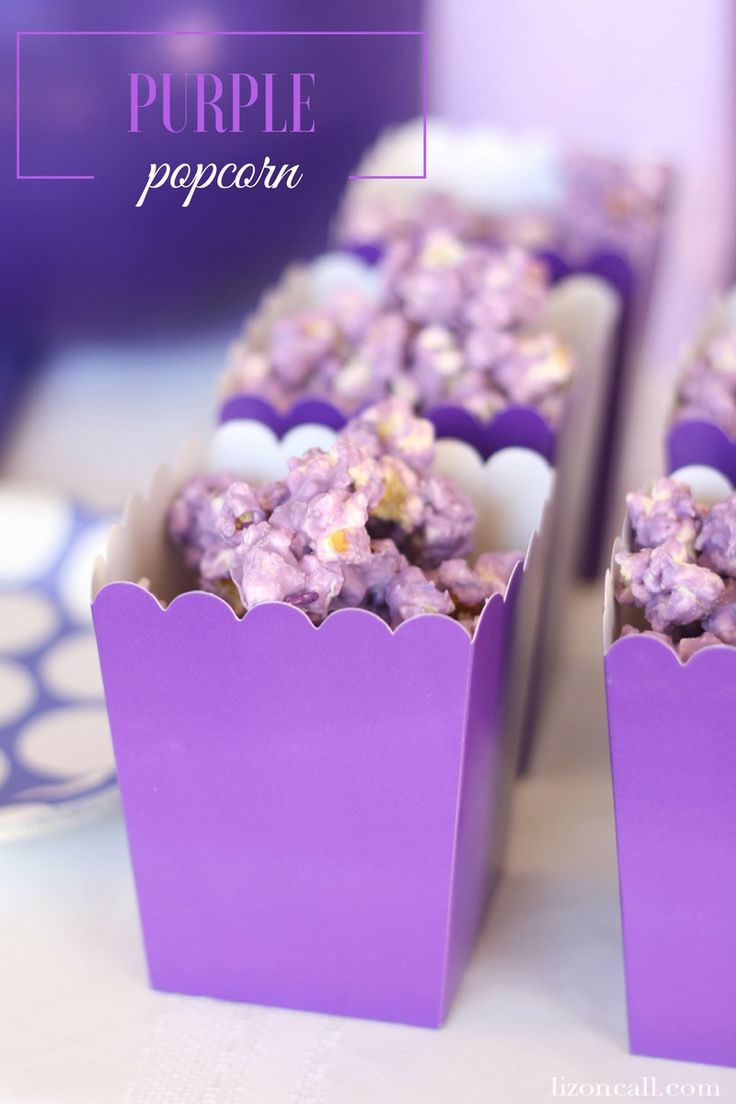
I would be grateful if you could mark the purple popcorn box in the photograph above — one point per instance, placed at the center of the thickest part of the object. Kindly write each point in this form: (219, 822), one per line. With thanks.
(580, 212)
(673, 761)
(583, 311)
(692, 438)
(315, 816)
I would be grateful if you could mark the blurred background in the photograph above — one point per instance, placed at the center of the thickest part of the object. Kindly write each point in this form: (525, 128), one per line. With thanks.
(107, 304)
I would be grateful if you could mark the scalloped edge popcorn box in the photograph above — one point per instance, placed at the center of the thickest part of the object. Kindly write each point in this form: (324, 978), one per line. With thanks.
(672, 729)
(315, 816)
(497, 172)
(584, 312)
(694, 440)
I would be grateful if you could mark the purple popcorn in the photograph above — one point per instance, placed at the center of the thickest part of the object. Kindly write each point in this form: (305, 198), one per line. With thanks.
(411, 593)
(629, 588)
(667, 512)
(681, 594)
(391, 427)
(366, 583)
(722, 620)
(322, 584)
(309, 475)
(272, 494)
(539, 367)
(401, 504)
(252, 369)
(704, 397)
(716, 541)
(240, 508)
(431, 296)
(356, 381)
(671, 590)
(379, 569)
(353, 312)
(335, 526)
(355, 468)
(496, 568)
(193, 520)
(360, 525)
(468, 586)
(449, 325)
(510, 291)
(689, 645)
(485, 348)
(631, 630)
(448, 522)
(266, 569)
(570, 201)
(682, 572)
(707, 385)
(300, 344)
(614, 204)
(440, 279)
(460, 581)
(437, 361)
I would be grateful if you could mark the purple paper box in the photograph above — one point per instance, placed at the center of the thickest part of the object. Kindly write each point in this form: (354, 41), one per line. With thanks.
(315, 815)
(584, 312)
(583, 214)
(672, 728)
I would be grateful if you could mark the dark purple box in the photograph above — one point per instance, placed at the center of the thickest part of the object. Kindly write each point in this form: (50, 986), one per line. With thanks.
(692, 441)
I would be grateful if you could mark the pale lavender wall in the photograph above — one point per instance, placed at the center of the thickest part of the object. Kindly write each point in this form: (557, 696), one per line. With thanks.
(641, 76)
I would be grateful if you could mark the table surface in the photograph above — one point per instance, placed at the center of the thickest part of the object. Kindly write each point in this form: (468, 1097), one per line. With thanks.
(543, 996)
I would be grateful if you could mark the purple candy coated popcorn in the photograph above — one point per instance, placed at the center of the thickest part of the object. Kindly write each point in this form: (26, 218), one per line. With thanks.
(671, 590)
(679, 593)
(353, 526)
(538, 367)
(667, 512)
(496, 568)
(449, 325)
(468, 586)
(630, 569)
(722, 620)
(240, 508)
(631, 630)
(689, 645)
(676, 573)
(460, 581)
(300, 344)
(267, 570)
(707, 385)
(391, 427)
(272, 494)
(335, 526)
(401, 502)
(322, 583)
(448, 523)
(410, 593)
(193, 520)
(716, 542)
